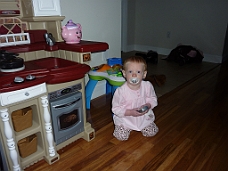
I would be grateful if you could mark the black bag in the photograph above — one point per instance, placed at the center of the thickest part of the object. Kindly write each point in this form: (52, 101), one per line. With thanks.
(185, 54)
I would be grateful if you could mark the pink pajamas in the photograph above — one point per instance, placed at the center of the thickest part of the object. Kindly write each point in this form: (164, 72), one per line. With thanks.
(125, 98)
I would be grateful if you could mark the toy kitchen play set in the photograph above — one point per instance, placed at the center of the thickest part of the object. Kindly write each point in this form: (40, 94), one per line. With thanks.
(42, 83)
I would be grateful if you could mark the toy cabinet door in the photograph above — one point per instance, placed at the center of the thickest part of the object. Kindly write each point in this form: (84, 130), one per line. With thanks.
(36, 8)
(46, 7)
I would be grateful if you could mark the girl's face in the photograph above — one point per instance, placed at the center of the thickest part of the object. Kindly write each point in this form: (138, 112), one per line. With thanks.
(134, 73)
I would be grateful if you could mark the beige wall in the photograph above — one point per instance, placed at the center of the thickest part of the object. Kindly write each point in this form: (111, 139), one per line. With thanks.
(199, 23)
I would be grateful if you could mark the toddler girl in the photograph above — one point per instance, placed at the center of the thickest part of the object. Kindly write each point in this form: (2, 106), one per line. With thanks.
(133, 95)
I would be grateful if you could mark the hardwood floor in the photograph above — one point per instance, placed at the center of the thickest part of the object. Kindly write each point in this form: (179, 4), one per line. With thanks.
(193, 129)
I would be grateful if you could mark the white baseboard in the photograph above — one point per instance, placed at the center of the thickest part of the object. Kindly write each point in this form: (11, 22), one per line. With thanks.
(212, 58)
(164, 51)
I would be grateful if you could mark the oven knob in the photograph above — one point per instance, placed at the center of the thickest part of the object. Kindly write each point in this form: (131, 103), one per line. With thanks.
(30, 77)
(18, 79)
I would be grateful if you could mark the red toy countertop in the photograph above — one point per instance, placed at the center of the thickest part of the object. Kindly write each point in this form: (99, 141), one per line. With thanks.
(50, 70)
(83, 46)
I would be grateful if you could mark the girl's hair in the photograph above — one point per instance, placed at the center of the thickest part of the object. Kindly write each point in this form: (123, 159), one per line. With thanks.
(136, 59)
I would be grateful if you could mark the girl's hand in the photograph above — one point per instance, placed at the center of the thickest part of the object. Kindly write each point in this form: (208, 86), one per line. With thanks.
(134, 112)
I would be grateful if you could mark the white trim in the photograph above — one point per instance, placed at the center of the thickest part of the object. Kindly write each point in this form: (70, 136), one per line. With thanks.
(212, 58)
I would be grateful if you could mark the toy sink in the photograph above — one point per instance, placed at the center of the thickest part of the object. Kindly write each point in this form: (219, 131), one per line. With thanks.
(63, 70)
(55, 64)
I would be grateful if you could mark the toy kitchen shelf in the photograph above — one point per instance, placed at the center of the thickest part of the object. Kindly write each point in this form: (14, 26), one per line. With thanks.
(35, 99)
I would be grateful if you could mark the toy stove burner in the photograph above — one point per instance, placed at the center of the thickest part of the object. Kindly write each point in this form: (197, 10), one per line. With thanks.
(13, 70)
(9, 62)
(30, 77)
(18, 80)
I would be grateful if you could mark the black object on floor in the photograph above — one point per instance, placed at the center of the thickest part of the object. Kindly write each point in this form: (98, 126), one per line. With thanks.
(184, 54)
(150, 56)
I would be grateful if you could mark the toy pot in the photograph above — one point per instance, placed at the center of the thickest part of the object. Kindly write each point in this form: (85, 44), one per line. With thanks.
(72, 33)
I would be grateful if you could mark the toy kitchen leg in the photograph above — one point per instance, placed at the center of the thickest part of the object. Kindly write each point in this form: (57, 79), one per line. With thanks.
(108, 87)
(90, 88)
(114, 89)
(89, 91)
